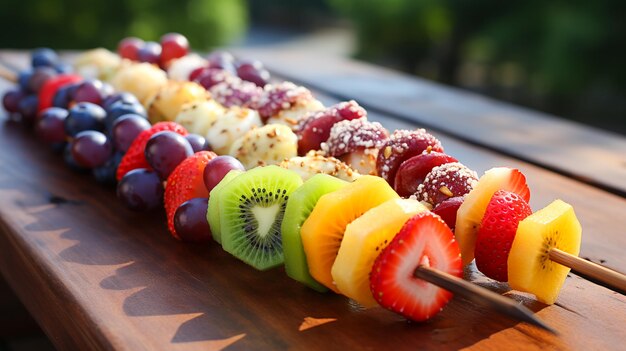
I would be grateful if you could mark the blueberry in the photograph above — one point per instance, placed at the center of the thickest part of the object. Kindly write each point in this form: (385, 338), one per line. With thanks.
(44, 57)
(23, 78)
(121, 108)
(106, 173)
(63, 68)
(122, 96)
(84, 116)
(28, 108)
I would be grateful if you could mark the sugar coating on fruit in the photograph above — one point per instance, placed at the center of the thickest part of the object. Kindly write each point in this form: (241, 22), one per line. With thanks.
(180, 68)
(312, 164)
(281, 96)
(297, 112)
(197, 116)
(343, 110)
(352, 135)
(446, 181)
(235, 122)
(237, 92)
(268, 145)
(400, 146)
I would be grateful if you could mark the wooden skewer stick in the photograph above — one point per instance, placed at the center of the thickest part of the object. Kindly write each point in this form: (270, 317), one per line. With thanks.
(479, 294)
(8, 74)
(601, 275)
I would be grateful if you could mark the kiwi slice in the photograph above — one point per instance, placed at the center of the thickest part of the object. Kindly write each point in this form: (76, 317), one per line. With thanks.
(300, 204)
(251, 209)
(212, 213)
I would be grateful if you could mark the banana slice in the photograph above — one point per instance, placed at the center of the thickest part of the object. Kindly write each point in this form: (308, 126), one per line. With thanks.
(298, 112)
(197, 116)
(169, 100)
(268, 145)
(312, 164)
(232, 124)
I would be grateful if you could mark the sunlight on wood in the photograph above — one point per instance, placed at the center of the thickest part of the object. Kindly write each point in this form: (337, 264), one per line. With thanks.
(310, 322)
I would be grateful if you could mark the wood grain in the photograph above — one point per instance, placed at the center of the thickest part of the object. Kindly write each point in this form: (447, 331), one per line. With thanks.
(581, 152)
(97, 276)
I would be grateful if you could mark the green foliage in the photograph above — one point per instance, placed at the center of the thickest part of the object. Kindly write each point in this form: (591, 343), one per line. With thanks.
(79, 24)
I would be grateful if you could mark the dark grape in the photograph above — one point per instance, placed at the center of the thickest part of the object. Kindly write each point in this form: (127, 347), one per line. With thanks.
(91, 149)
(84, 116)
(89, 91)
(122, 96)
(50, 127)
(63, 96)
(150, 52)
(209, 77)
(140, 190)
(105, 174)
(11, 100)
(190, 220)
(28, 108)
(173, 45)
(39, 77)
(165, 150)
(129, 47)
(44, 57)
(253, 71)
(217, 168)
(197, 142)
(223, 60)
(121, 108)
(68, 157)
(23, 78)
(125, 130)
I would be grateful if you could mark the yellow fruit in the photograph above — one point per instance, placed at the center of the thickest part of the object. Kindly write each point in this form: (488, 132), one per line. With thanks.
(197, 116)
(471, 212)
(140, 79)
(233, 124)
(323, 231)
(529, 266)
(167, 103)
(268, 145)
(97, 64)
(363, 240)
(312, 164)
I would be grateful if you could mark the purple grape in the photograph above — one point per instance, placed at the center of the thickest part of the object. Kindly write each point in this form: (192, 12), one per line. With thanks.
(198, 142)
(120, 108)
(165, 150)
(84, 116)
(50, 127)
(190, 220)
(28, 108)
(122, 96)
(22, 79)
(210, 77)
(253, 71)
(106, 173)
(68, 157)
(140, 190)
(150, 52)
(64, 95)
(125, 130)
(223, 60)
(11, 100)
(91, 149)
(217, 168)
(89, 91)
(39, 77)
(44, 57)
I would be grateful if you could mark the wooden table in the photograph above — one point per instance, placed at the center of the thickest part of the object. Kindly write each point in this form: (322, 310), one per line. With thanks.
(97, 276)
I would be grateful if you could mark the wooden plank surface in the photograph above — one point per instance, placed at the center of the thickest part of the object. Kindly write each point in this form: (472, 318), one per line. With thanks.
(588, 154)
(97, 276)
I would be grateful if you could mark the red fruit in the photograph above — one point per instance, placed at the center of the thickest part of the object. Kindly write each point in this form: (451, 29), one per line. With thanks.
(354, 135)
(280, 97)
(128, 48)
(423, 240)
(186, 182)
(402, 145)
(446, 181)
(52, 85)
(497, 231)
(315, 129)
(447, 210)
(135, 156)
(173, 45)
(413, 171)
(236, 92)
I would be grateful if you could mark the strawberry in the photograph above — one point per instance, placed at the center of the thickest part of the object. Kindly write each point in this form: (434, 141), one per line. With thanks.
(497, 231)
(135, 156)
(414, 170)
(423, 240)
(186, 182)
(52, 85)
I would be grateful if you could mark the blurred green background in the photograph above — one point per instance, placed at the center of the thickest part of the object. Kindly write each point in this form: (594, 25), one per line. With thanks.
(563, 57)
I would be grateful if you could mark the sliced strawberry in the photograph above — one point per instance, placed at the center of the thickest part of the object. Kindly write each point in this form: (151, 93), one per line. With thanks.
(135, 156)
(497, 231)
(186, 182)
(52, 85)
(423, 240)
(413, 171)
(447, 210)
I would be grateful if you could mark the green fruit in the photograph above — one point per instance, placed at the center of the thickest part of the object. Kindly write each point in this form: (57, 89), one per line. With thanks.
(213, 210)
(299, 206)
(251, 209)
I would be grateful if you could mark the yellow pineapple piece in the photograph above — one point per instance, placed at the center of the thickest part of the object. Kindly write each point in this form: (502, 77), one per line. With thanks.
(167, 103)
(140, 79)
(323, 231)
(363, 240)
(529, 266)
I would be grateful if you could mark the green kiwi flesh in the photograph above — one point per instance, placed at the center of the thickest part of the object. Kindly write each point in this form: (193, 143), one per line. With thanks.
(212, 213)
(251, 209)
(299, 207)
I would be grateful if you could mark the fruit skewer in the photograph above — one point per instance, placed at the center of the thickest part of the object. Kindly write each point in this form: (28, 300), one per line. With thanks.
(480, 295)
(591, 271)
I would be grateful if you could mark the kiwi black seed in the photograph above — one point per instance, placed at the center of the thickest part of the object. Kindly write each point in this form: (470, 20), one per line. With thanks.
(251, 210)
